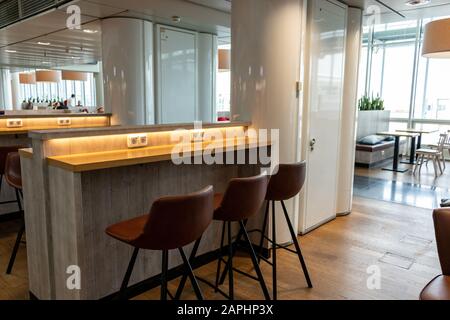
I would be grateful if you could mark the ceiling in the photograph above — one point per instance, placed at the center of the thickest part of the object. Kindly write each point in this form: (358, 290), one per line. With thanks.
(69, 47)
(19, 43)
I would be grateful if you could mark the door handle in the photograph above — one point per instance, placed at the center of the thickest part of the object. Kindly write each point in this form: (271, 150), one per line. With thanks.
(312, 143)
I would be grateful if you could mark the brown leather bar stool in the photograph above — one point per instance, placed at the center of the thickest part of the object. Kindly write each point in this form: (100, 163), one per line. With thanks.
(284, 185)
(173, 222)
(4, 151)
(439, 287)
(13, 176)
(242, 200)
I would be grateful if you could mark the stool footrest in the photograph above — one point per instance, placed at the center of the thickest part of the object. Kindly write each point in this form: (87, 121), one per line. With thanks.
(213, 286)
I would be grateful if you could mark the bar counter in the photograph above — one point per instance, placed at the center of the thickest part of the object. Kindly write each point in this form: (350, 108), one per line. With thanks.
(77, 183)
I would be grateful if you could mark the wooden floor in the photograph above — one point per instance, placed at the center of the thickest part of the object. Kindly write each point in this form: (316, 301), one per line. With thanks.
(426, 177)
(338, 255)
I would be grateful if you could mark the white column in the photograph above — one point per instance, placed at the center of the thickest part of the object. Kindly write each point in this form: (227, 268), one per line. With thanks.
(128, 70)
(15, 90)
(5, 90)
(349, 112)
(266, 57)
(99, 90)
(207, 62)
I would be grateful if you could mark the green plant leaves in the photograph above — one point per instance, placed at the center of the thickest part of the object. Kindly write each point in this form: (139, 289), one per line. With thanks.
(370, 104)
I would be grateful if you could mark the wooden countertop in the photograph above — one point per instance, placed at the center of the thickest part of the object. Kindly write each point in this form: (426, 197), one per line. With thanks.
(116, 130)
(28, 115)
(120, 158)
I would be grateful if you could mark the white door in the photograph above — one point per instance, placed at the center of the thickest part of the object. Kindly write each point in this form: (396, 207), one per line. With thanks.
(177, 75)
(327, 22)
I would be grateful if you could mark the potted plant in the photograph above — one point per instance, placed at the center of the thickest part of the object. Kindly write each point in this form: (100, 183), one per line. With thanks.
(372, 116)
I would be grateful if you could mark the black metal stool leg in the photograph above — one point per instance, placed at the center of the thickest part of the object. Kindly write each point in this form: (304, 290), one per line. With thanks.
(191, 275)
(219, 262)
(227, 266)
(255, 262)
(274, 254)
(297, 246)
(230, 264)
(127, 276)
(185, 276)
(263, 231)
(16, 248)
(12, 259)
(164, 268)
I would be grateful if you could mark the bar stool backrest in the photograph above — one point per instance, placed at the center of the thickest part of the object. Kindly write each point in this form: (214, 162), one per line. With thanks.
(441, 219)
(13, 172)
(242, 199)
(4, 153)
(288, 181)
(175, 222)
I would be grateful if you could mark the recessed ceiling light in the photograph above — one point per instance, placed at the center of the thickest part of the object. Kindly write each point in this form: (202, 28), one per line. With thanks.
(417, 2)
(45, 62)
(90, 31)
(44, 43)
(10, 51)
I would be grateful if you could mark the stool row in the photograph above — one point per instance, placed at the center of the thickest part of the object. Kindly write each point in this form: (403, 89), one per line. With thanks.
(175, 222)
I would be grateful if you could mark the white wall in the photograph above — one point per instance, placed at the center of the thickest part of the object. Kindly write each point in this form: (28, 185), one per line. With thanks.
(349, 112)
(266, 55)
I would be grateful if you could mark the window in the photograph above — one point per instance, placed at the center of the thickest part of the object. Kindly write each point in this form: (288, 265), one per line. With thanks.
(397, 79)
(223, 90)
(84, 91)
(415, 89)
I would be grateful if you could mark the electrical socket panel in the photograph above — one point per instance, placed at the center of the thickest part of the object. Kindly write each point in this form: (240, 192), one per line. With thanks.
(137, 140)
(14, 123)
(64, 121)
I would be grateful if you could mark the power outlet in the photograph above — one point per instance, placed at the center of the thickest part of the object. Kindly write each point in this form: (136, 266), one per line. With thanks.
(137, 140)
(64, 121)
(14, 123)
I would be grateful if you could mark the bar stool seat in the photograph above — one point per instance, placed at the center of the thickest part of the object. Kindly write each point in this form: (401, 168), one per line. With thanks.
(128, 231)
(173, 222)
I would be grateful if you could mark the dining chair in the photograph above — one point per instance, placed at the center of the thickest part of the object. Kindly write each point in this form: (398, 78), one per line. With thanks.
(434, 154)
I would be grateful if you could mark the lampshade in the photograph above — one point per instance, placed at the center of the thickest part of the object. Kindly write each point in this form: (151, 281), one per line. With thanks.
(74, 76)
(27, 78)
(48, 76)
(436, 42)
(224, 60)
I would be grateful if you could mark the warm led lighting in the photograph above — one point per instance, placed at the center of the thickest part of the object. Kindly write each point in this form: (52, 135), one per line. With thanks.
(90, 31)
(44, 43)
(10, 51)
